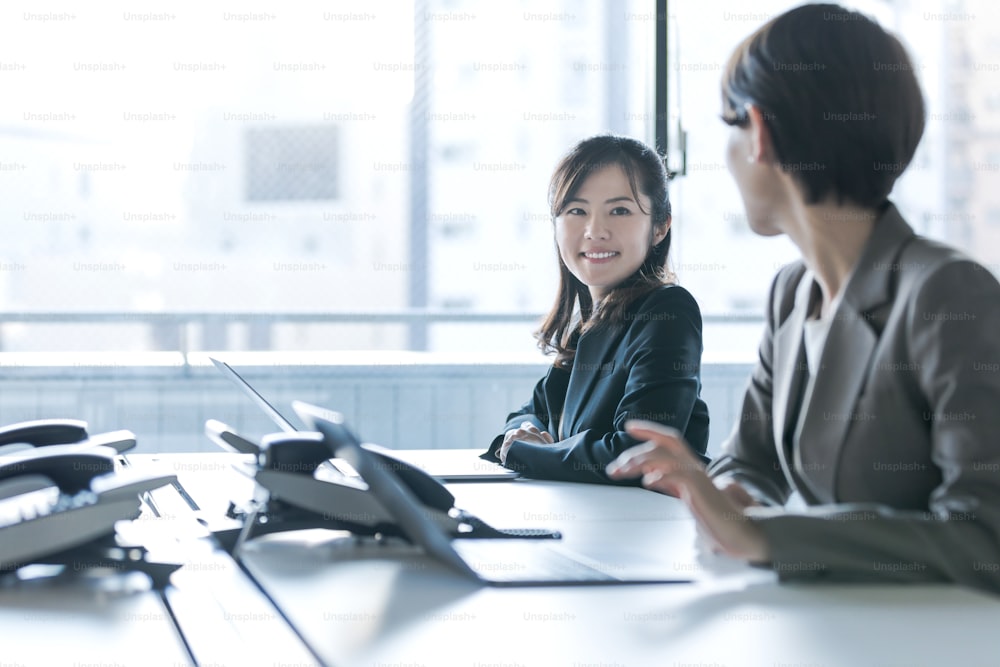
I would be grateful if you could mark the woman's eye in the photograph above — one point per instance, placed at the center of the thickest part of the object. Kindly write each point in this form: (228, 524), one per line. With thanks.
(575, 211)
(620, 210)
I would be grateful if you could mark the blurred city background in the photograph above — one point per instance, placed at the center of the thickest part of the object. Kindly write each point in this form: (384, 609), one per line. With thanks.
(372, 176)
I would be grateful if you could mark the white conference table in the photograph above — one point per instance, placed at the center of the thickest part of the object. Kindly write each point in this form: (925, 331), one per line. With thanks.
(391, 606)
(319, 597)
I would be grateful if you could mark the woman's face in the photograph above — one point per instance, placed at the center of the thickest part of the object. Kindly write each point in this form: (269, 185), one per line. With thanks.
(602, 233)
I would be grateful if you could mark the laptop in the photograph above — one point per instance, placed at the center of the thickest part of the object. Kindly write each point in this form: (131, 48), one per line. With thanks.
(443, 464)
(510, 562)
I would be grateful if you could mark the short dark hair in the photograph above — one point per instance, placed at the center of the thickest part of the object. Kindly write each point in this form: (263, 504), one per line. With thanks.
(646, 175)
(839, 96)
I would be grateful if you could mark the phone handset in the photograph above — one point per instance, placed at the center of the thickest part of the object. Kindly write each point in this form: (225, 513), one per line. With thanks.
(304, 451)
(42, 432)
(58, 497)
(26, 435)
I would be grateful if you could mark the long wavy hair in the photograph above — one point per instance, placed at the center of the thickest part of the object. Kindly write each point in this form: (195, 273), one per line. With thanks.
(574, 311)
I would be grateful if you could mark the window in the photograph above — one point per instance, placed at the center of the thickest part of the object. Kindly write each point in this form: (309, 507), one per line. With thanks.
(334, 159)
(943, 194)
(291, 163)
(308, 158)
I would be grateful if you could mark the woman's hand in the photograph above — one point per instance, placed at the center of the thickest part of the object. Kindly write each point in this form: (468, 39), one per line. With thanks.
(736, 493)
(666, 464)
(527, 432)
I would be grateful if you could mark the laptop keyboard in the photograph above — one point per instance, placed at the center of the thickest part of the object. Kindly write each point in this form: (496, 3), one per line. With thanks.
(481, 529)
(527, 560)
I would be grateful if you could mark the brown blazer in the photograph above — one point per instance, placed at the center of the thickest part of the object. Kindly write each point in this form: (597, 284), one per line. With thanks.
(899, 454)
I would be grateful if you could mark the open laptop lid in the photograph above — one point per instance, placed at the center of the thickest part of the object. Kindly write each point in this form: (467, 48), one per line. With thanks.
(261, 402)
(443, 464)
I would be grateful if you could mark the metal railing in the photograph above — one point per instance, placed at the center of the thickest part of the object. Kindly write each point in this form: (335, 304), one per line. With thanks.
(172, 331)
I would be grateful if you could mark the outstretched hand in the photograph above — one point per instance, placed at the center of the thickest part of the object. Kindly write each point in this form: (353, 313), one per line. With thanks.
(666, 464)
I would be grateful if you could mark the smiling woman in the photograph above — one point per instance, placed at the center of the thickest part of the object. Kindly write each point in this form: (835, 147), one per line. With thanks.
(604, 236)
(627, 339)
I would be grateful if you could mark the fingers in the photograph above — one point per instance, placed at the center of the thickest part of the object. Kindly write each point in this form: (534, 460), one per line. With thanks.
(526, 432)
(508, 438)
(664, 453)
(531, 429)
(641, 429)
(528, 427)
(519, 433)
(665, 464)
(659, 438)
(629, 463)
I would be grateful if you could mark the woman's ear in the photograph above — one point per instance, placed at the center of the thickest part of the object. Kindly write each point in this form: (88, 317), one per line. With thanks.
(660, 231)
(761, 146)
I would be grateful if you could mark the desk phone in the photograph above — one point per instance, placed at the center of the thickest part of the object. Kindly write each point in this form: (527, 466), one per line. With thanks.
(305, 489)
(55, 498)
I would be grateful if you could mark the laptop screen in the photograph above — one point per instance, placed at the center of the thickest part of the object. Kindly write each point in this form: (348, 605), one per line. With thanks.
(471, 469)
(261, 402)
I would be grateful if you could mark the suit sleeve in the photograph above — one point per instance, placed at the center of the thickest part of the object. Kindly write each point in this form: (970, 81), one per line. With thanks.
(535, 410)
(952, 330)
(663, 355)
(749, 455)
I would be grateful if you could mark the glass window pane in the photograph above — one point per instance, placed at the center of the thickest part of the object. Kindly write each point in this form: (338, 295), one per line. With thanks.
(351, 157)
(300, 157)
(948, 192)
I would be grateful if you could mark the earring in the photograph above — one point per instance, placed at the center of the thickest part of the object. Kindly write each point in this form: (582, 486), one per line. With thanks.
(751, 159)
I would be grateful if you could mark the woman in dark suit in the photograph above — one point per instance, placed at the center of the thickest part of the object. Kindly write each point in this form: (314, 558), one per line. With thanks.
(626, 339)
(875, 402)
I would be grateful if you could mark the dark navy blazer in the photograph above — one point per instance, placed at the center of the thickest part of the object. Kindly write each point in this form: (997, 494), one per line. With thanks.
(646, 367)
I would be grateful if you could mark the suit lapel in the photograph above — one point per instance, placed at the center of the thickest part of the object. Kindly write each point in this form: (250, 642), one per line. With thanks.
(832, 406)
(845, 363)
(594, 358)
(789, 366)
